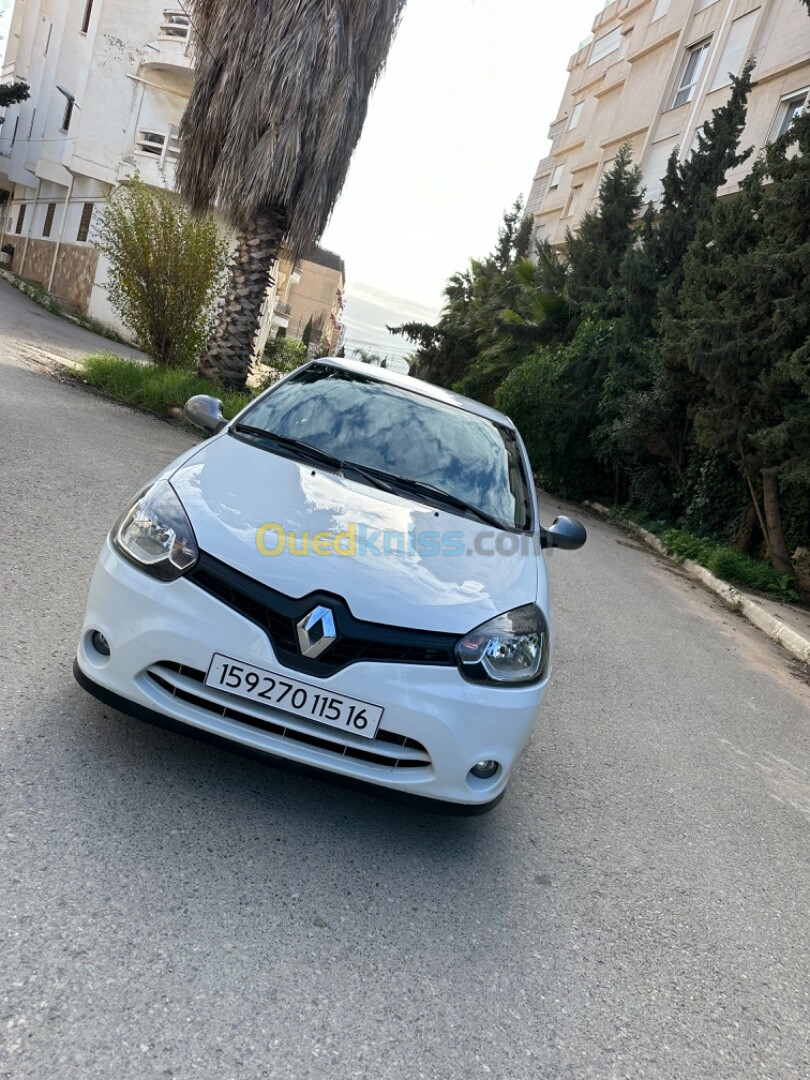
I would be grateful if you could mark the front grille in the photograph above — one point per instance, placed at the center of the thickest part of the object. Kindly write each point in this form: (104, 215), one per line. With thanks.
(387, 750)
(278, 616)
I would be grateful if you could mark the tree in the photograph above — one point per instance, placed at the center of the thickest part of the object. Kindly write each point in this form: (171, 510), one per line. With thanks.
(553, 397)
(166, 270)
(645, 427)
(742, 326)
(595, 253)
(690, 187)
(13, 93)
(468, 331)
(279, 100)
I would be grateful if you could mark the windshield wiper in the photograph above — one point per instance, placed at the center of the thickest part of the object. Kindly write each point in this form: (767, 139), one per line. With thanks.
(376, 477)
(421, 487)
(314, 453)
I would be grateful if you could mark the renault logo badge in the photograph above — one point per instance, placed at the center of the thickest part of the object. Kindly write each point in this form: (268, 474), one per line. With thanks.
(316, 632)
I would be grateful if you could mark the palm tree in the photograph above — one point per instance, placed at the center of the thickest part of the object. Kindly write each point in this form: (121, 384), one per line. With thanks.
(279, 101)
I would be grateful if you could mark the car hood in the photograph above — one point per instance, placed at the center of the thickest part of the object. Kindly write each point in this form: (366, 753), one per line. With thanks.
(231, 490)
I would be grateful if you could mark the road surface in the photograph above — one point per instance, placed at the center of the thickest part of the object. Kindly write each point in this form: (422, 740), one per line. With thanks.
(636, 907)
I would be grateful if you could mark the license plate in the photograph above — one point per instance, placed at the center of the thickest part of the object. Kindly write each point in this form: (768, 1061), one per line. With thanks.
(291, 696)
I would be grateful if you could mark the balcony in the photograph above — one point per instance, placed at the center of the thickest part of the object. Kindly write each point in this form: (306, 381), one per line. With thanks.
(155, 158)
(171, 52)
(281, 314)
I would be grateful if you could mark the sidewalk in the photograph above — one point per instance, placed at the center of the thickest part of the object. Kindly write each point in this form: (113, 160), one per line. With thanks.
(31, 332)
(786, 624)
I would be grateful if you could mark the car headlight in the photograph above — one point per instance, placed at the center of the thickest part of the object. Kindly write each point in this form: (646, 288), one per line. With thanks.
(512, 648)
(156, 534)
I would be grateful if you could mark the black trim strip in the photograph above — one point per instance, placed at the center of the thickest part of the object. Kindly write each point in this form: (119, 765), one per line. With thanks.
(357, 641)
(169, 723)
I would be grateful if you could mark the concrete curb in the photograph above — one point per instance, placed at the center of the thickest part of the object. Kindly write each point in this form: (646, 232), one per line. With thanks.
(777, 631)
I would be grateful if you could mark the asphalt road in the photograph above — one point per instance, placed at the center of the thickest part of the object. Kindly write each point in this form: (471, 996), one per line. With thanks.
(636, 907)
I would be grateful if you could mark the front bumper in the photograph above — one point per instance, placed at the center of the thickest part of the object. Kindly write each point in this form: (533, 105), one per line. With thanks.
(436, 725)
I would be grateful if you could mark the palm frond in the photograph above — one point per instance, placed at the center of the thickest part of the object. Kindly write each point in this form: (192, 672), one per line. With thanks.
(279, 101)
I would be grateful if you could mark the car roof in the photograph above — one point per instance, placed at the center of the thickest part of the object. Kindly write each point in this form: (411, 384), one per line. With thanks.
(418, 386)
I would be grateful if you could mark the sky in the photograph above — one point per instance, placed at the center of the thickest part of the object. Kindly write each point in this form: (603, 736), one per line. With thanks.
(455, 129)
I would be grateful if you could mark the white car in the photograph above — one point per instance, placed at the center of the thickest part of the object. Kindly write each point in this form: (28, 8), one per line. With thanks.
(348, 576)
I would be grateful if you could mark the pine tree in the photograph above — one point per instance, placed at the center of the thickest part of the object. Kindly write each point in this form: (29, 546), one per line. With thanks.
(690, 187)
(742, 325)
(13, 93)
(596, 251)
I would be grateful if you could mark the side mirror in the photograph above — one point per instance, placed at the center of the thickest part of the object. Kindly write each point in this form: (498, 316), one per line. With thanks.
(205, 412)
(565, 534)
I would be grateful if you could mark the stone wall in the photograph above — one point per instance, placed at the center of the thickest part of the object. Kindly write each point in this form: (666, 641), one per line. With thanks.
(75, 275)
(38, 261)
(75, 269)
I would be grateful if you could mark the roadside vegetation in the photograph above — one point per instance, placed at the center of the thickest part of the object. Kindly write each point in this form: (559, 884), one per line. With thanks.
(661, 361)
(159, 390)
(164, 390)
(166, 271)
(724, 560)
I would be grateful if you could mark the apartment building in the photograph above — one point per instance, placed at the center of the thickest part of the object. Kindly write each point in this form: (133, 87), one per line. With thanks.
(318, 297)
(651, 75)
(109, 82)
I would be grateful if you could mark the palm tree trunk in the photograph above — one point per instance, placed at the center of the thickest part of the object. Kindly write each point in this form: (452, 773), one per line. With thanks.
(231, 349)
(777, 547)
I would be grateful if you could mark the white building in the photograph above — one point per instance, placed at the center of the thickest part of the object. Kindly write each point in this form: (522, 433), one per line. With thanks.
(109, 82)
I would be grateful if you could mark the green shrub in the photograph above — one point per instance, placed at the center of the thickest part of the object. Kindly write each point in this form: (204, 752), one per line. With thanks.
(155, 389)
(284, 355)
(166, 271)
(729, 564)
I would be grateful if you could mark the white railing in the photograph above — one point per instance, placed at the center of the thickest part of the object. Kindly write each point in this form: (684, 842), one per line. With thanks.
(176, 25)
(164, 146)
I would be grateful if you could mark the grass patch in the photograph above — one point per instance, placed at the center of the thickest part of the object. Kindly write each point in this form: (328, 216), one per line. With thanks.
(154, 389)
(729, 564)
(726, 562)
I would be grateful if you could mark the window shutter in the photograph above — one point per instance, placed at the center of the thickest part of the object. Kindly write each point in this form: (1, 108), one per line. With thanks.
(734, 51)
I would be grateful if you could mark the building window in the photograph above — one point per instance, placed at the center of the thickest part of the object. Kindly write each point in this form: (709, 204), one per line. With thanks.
(88, 11)
(735, 49)
(693, 69)
(31, 125)
(48, 42)
(68, 115)
(84, 224)
(175, 24)
(20, 219)
(14, 136)
(605, 167)
(655, 167)
(573, 199)
(660, 10)
(606, 45)
(790, 107)
(576, 113)
(46, 228)
(703, 4)
(556, 176)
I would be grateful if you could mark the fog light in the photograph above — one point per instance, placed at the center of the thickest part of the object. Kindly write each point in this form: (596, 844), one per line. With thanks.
(485, 770)
(100, 643)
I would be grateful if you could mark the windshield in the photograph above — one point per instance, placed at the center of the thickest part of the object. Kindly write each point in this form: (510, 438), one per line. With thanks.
(356, 418)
